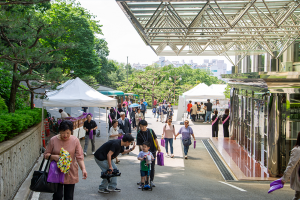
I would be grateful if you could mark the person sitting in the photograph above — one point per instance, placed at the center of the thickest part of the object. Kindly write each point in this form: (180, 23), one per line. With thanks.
(104, 158)
(63, 113)
(145, 166)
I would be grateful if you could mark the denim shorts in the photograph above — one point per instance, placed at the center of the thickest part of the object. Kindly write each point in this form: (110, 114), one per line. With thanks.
(145, 173)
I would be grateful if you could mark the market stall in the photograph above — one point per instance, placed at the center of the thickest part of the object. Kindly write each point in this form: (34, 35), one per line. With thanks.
(76, 93)
(201, 92)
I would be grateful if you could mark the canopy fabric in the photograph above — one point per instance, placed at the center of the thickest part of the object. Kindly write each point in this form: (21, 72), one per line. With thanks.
(202, 91)
(131, 94)
(76, 93)
(112, 93)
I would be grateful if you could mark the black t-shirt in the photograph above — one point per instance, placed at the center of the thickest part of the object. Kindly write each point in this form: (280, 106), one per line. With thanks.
(90, 126)
(208, 106)
(143, 136)
(111, 145)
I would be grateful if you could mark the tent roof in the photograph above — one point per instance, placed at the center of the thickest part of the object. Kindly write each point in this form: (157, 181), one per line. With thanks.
(202, 91)
(112, 93)
(76, 93)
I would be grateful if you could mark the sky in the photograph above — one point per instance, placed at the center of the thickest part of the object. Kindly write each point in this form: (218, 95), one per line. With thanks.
(123, 40)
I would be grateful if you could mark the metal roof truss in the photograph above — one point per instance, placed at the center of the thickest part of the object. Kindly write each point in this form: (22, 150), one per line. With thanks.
(215, 27)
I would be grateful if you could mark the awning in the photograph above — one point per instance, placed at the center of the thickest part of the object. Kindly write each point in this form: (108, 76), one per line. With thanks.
(131, 94)
(112, 93)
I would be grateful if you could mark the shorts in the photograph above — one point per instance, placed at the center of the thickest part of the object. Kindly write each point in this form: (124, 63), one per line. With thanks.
(145, 173)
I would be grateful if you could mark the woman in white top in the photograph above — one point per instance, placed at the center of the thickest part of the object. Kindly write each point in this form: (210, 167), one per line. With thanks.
(138, 117)
(114, 133)
(168, 132)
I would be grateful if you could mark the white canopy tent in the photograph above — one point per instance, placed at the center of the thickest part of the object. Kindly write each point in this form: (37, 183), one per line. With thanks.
(201, 91)
(76, 93)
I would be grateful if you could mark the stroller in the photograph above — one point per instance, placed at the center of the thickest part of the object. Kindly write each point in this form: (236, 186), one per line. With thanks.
(147, 185)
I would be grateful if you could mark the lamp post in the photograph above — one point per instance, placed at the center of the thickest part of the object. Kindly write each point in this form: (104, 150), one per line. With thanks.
(174, 84)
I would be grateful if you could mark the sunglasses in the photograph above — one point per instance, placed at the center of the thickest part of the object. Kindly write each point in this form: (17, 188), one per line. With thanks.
(186, 122)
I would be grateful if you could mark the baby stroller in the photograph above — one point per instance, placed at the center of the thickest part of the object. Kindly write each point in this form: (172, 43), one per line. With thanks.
(147, 185)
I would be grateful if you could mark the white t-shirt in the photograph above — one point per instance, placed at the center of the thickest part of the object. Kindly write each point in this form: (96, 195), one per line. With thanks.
(113, 131)
(64, 114)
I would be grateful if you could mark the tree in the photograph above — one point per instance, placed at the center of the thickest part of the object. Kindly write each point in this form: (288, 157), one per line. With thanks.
(227, 91)
(23, 2)
(24, 33)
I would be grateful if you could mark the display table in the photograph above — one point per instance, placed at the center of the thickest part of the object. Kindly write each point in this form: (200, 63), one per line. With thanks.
(75, 132)
(81, 132)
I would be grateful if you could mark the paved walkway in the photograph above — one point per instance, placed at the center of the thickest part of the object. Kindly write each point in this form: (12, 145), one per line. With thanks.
(195, 178)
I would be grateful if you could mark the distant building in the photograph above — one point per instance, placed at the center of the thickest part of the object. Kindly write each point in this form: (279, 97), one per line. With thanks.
(163, 62)
(218, 67)
(139, 66)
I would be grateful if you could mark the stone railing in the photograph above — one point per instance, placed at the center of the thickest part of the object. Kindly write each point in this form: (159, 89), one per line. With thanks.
(17, 157)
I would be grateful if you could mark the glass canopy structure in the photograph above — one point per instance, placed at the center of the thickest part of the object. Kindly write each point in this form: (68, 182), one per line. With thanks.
(219, 27)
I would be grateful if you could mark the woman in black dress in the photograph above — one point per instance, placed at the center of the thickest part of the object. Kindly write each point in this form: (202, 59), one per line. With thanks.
(225, 121)
(119, 110)
(111, 116)
(215, 124)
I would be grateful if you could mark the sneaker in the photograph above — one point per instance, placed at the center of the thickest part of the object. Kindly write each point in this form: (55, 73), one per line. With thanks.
(93, 153)
(139, 183)
(185, 157)
(141, 186)
(172, 156)
(84, 153)
(114, 190)
(104, 191)
(152, 184)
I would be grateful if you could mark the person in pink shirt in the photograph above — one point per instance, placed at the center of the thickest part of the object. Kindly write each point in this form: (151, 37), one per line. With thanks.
(70, 143)
(168, 132)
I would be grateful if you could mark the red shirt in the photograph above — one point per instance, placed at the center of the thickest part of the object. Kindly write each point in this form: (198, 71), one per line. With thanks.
(189, 107)
(155, 102)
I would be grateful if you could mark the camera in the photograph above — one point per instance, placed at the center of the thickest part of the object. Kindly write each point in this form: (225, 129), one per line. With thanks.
(106, 175)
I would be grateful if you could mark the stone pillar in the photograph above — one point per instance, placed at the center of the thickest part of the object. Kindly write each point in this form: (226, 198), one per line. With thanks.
(267, 67)
(254, 65)
(287, 59)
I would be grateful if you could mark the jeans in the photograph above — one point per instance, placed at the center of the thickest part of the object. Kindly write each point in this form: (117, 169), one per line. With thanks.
(194, 118)
(87, 138)
(185, 149)
(162, 117)
(104, 167)
(208, 114)
(133, 123)
(64, 190)
(167, 140)
(157, 116)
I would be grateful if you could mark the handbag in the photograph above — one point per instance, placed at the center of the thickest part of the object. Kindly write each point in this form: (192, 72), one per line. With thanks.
(39, 180)
(162, 142)
(54, 174)
(91, 134)
(160, 159)
(187, 142)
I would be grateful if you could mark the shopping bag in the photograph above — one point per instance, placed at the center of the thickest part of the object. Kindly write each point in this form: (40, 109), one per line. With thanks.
(194, 144)
(160, 159)
(54, 174)
(120, 137)
(39, 181)
(162, 142)
(275, 185)
(91, 134)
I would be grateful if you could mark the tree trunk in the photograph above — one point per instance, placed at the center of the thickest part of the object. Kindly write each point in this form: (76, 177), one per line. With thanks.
(13, 91)
(31, 100)
(144, 96)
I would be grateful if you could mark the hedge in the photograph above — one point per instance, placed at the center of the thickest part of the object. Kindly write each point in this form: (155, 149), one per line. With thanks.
(12, 124)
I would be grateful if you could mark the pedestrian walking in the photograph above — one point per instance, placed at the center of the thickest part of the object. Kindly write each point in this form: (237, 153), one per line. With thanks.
(168, 132)
(138, 117)
(143, 107)
(119, 110)
(208, 108)
(186, 131)
(154, 111)
(65, 139)
(154, 103)
(132, 117)
(215, 124)
(292, 170)
(170, 111)
(189, 106)
(225, 121)
(111, 116)
(157, 112)
(89, 125)
(146, 134)
(203, 110)
(193, 111)
(124, 124)
(129, 109)
(124, 109)
(198, 109)
(114, 133)
(161, 113)
(104, 158)
(164, 110)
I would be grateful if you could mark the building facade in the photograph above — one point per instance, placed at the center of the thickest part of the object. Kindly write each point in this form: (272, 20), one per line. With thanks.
(265, 107)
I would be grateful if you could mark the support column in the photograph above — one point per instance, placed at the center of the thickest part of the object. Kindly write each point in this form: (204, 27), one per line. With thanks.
(254, 64)
(287, 59)
(267, 67)
(274, 63)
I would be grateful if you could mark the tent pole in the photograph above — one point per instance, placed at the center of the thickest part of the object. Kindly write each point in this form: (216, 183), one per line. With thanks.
(42, 127)
(106, 116)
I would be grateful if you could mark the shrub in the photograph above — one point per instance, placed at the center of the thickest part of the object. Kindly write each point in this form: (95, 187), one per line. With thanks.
(12, 124)
(3, 106)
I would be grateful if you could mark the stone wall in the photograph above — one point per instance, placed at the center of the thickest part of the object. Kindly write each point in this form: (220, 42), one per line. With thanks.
(17, 156)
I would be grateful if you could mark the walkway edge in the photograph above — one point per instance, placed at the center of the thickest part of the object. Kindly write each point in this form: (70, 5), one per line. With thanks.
(24, 192)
